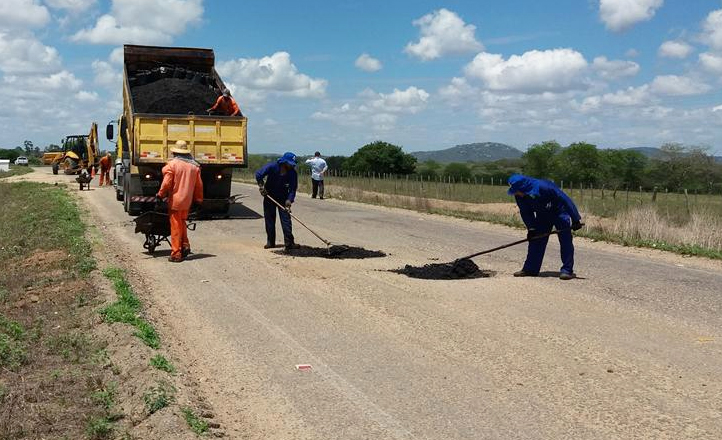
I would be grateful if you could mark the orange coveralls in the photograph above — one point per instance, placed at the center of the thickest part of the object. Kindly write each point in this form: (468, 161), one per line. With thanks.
(227, 106)
(104, 170)
(183, 185)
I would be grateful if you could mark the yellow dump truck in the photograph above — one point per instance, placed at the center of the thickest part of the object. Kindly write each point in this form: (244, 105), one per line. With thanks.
(166, 94)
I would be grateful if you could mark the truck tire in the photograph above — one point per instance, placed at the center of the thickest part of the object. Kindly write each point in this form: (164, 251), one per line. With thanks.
(119, 195)
(126, 200)
(56, 167)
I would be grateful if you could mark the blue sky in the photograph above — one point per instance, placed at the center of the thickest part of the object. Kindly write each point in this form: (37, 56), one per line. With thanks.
(616, 73)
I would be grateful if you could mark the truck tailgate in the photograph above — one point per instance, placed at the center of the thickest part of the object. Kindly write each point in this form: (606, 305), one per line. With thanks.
(211, 140)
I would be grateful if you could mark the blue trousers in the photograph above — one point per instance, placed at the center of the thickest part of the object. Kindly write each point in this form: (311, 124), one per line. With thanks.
(535, 252)
(269, 214)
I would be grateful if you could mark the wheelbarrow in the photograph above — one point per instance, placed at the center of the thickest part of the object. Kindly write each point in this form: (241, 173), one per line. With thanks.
(156, 228)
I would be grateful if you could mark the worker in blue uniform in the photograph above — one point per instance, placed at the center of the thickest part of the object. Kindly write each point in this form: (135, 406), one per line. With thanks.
(544, 206)
(281, 182)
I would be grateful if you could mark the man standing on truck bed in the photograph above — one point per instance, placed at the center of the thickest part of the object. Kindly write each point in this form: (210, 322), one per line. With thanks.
(225, 105)
(183, 185)
(280, 185)
(318, 167)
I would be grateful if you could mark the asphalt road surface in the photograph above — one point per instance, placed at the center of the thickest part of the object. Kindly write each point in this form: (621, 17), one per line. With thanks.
(631, 350)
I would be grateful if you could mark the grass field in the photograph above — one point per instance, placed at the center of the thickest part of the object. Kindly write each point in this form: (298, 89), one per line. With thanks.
(15, 171)
(684, 223)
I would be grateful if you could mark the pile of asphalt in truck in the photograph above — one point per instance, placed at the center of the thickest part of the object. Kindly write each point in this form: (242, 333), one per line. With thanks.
(164, 93)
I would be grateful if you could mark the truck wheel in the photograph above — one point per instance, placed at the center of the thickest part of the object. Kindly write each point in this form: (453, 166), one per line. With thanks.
(119, 196)
(126, 201)
(55, 167)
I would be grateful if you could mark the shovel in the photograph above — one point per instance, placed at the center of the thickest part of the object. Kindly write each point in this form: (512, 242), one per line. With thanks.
(504, 246)
(331, 248)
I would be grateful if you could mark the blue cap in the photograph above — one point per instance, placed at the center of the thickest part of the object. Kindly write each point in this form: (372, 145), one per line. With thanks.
(288, 158)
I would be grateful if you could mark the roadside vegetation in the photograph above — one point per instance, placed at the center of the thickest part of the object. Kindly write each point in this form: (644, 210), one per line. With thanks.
(57, 378)
(15, 170)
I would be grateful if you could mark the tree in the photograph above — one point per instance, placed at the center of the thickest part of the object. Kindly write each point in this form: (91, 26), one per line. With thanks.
(622, 168)
(52, 148)
(458, 171)
(28, 147)
(335, 162)
(429, 169)
(577, 163)
(539, 159)
(381, 157)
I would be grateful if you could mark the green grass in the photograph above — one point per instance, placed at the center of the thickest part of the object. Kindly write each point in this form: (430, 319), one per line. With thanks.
(159, 397)
(13, 344)
(160, 362)
(197, 425)
(99, 428)
(39, 217)
(127, 309)
(73, 346)
(105, 396)
(15, 171)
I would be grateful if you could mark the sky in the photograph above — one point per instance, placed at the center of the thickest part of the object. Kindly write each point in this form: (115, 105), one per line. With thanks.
(425, 75)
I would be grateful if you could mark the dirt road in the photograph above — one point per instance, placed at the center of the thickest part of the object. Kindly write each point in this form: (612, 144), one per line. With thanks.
(631, 350)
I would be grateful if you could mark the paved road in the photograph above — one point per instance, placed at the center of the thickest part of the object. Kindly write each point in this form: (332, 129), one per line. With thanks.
(632, 350)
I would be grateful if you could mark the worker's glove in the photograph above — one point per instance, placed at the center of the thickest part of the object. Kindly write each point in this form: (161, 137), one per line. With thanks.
(288, 205)
(577, 225)
(262, 190)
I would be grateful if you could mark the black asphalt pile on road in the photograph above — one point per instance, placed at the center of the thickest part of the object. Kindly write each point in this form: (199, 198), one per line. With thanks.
(336, 252)
(461, 269)
(173, 96)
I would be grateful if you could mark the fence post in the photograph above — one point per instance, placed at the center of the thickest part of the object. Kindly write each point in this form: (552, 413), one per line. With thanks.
(640, 194)
(686, 201)
(654, 195)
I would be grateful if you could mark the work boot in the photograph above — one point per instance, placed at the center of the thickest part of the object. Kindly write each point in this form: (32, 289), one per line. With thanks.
(290, 246)
(175, 260)
(185, 252)
(521, 273)
(566, 276)
(269, 246)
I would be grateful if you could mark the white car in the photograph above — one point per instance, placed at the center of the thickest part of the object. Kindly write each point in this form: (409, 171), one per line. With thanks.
(21, 160)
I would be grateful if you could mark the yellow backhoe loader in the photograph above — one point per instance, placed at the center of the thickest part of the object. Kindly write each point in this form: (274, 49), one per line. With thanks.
(79, 152)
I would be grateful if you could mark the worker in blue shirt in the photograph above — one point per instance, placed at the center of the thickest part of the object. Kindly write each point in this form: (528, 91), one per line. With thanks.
(543, 205)
(281, 182)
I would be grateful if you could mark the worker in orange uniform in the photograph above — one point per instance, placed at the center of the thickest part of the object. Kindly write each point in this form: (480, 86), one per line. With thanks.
(225, 105)
(105, 164)
(183, 186)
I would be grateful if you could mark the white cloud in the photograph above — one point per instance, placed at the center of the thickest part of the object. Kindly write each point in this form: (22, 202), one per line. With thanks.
(143, 22)
(273, 74)
(72, 5)
(631, 96)
(367, 63)
(614, 69)
(712, 27)
(620, 15)
(116, 56)
(717, 108)
(22, 14)
(675, 49)
(411, 100)
(443, 32)
(106, 75)
(382, 110)
(457, 92)
(631, 53)
(536, 71)
(673, 85)
(25, 54)
(86, 96)
(711, 62)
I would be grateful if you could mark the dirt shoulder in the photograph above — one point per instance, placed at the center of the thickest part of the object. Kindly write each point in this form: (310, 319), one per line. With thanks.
(67, 370)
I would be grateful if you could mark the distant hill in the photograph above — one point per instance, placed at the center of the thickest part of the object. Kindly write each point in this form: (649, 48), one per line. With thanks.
(656, 153)
(477, 152)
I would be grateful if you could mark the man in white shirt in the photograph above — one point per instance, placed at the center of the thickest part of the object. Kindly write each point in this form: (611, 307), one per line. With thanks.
(318, 167)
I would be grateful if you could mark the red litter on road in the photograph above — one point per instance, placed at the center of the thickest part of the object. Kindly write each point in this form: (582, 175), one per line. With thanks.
(303, 367)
